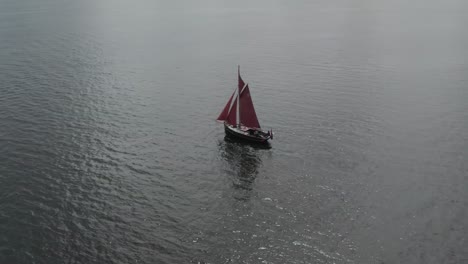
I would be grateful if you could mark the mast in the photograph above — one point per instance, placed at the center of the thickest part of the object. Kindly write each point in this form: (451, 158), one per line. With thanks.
(240, 84)
(238, 106)
(238, 95)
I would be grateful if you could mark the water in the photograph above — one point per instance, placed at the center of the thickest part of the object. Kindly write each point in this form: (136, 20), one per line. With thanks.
(109, 152)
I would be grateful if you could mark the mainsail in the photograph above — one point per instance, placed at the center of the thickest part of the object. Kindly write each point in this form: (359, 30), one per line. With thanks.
(248, 117)
(239, 110)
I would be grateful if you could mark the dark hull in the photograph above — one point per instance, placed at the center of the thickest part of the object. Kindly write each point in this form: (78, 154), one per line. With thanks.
(253, 139)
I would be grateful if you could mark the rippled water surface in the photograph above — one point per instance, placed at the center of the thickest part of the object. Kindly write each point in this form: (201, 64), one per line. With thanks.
(109, 152)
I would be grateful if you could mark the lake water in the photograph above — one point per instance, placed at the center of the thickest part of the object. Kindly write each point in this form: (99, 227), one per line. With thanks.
(109, 152)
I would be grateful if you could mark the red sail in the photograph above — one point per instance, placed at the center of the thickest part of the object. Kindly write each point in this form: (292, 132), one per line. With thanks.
(241, 83)
(247, 114)
(231, 116)
(224, 114)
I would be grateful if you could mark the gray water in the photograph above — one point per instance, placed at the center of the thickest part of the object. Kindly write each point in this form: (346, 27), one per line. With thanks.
(109, 152)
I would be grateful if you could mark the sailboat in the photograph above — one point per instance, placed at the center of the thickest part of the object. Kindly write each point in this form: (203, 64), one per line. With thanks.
(239, 117)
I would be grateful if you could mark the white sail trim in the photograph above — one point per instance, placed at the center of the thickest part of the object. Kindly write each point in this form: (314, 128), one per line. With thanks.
(234, 98)
(243, 88)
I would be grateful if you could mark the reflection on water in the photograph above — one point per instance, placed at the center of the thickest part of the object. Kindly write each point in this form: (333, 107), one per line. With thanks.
(243, 162)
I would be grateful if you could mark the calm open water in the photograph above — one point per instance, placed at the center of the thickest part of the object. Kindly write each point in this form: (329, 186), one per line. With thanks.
(109, 152)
